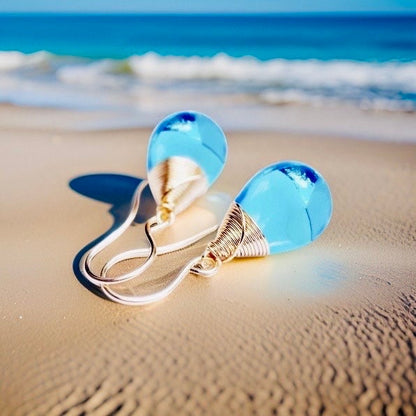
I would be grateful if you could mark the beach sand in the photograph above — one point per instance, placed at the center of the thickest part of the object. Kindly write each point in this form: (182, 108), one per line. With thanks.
(327, 329)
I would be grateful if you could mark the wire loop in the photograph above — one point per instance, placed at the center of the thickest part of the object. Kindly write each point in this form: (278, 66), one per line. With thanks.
(152, 297)
(86, 260)
(163, 218)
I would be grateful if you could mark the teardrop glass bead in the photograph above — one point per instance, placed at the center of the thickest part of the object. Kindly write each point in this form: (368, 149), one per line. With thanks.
(192, 135)
(290, 202)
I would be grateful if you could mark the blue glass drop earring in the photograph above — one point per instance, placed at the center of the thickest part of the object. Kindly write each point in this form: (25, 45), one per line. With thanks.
(186, 154)
(283, 207)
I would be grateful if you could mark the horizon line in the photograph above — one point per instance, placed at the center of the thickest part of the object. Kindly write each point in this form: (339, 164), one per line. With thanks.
(213, 13)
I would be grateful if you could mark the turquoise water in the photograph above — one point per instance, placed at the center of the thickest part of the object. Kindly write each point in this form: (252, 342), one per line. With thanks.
(151, 65)
(358, 38)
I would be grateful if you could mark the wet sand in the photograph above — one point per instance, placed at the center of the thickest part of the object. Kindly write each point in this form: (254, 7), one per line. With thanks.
(328, 329)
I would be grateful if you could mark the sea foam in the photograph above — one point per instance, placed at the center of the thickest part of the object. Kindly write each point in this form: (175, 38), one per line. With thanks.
(309, 73)
(370, 85)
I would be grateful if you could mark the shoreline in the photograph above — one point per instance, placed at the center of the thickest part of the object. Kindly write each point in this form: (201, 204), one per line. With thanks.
(328, 326)
(342, 122)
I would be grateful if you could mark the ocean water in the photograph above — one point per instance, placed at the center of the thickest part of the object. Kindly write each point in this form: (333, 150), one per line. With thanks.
(147, 65)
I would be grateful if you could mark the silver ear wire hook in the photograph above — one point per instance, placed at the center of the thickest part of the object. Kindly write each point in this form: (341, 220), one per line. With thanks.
(223, 248)
(200, 265)
(86, 260)
(156, 223)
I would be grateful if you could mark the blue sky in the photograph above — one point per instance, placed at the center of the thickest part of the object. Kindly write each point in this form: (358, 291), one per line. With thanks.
(207, 6)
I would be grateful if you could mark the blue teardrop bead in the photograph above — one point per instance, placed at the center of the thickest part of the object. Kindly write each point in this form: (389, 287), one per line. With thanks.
(290, 202)
(192, 135)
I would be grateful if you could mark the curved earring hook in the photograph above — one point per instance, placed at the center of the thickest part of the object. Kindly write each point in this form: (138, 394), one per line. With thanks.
(222, 249)
(152, 225)
(198, 266)
(86, 260)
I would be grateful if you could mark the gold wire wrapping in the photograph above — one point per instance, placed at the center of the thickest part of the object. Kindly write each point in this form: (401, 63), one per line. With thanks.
(238, 236)
(176, 183)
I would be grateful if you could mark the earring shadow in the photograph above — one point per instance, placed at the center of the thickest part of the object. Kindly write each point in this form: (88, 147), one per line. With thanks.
(117, 191)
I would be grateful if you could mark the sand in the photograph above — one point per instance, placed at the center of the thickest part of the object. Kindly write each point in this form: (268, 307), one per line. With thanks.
(328, 329)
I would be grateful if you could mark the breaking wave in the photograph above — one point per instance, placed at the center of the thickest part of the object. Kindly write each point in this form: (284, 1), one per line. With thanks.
(375, 86)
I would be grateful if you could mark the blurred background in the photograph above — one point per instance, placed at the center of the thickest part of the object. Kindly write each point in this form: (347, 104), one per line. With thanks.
(328, 67)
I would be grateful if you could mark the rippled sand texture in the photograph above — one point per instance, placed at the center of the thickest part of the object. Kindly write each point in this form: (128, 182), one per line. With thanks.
(329, 329)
